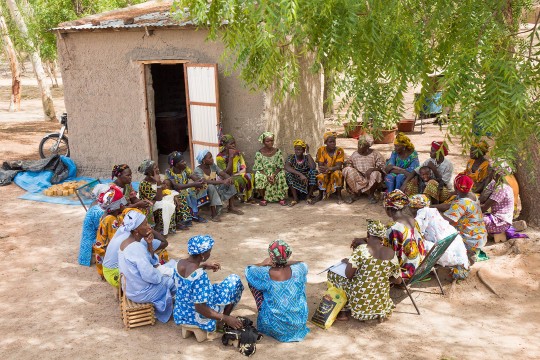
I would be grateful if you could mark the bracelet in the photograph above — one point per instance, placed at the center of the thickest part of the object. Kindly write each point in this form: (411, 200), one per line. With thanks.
(159, 186)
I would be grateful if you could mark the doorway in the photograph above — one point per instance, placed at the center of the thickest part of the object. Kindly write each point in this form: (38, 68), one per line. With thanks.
(170, 109)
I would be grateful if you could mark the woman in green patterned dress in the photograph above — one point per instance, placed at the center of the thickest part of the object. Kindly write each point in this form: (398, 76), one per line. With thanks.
(270, 178)
(368, 271)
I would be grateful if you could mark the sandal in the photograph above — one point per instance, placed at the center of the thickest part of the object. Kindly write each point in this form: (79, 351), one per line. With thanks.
(310, 201)
(235, 211)
(282, 203)
(292, 203)
(199, 219)
(215, 218)
(182, 227)
(263, 203)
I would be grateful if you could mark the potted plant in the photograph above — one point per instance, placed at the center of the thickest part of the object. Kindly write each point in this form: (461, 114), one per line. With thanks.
(354, 129)
(387, 133)
(406, 125)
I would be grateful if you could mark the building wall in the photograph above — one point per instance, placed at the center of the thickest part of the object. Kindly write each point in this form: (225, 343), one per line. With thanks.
(105, 100)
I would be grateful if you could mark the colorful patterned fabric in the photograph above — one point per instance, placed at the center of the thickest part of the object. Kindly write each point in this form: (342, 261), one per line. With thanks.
(303, 167)
(479, 174)
(328, 135)
(430, 189)
(144, 283)
(88, 235)
(403, 140)
(279, 252)
(438, 144)
(174, 158)
(284, 311)
(199, 244)
(502, 212)
(197, 289)
(395, 181)
(112, 200)
(217, 194)
(264, 135)
(195, 198)
(145, 166)
(396, 200)
(243, 181)
(330, 182)
(376, 228)
(409, 247)
(107, 228)
(129, 192)
(368, 292)
(359, 164)
(482, 146)
(435, 229)
(468, 220)
(299, 142)
(179, 208)
(117, 170)
(267, 165)
(419, 201)
(463, 183)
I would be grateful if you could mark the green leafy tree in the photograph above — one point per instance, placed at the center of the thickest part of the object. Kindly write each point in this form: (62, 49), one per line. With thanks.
(381, 47)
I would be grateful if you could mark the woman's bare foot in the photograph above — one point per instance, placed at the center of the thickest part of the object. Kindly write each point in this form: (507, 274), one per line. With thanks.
(343, 316)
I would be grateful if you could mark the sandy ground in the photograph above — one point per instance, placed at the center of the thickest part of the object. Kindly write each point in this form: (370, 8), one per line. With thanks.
(52, 308)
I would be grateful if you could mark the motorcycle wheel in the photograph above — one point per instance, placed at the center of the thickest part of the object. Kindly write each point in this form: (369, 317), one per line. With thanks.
(47, 144)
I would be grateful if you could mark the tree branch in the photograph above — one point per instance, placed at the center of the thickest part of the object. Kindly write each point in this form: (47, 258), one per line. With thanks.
(532, 35)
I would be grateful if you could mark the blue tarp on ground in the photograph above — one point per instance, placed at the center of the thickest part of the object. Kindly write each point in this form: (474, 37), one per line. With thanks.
(35, 182)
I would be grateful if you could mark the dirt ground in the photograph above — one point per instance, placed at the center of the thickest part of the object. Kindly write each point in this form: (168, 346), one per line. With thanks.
(52, 308)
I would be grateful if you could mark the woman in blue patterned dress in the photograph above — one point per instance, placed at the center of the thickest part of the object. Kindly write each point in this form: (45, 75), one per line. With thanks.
(279, 288)
(90, 226)
(198, 302)
(402, 162)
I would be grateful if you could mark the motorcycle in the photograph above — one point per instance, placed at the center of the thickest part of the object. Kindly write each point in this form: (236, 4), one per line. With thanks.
(55, 143)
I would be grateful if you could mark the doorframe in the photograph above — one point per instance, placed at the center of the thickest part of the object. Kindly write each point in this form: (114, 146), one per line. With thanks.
(144, 66)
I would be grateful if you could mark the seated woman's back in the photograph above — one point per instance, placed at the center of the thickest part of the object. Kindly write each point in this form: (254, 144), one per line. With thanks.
(283, 313)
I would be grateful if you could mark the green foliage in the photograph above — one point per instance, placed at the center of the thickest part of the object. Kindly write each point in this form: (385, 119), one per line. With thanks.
(380, 47)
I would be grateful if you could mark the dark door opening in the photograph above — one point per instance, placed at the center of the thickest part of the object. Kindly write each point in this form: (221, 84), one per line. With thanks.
(170, 109)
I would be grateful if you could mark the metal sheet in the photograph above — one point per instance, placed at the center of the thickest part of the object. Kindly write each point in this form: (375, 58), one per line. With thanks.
(213, 149)
(204, 125)
(202, 84)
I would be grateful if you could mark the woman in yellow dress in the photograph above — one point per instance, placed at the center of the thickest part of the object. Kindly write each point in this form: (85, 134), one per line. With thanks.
(330, 159)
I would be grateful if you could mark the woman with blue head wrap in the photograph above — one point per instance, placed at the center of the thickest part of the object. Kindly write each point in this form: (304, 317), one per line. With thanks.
(220, 185)
(198, 302)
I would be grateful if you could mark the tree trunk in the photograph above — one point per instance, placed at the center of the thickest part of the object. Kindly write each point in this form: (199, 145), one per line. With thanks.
(528, 175)
(15, 100)
(328, 96)
(44, 86)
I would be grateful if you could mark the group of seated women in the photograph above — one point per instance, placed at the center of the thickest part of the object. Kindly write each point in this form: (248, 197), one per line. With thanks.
(421, 199)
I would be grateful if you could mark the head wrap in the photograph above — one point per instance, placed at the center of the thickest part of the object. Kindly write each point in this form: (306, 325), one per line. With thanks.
(199, 244)
(279, 252)
(437, 145)
(482, 147)
(112, 200)
(132, 220)
(396, 200)
(329, 134)
(299, 142)
(146, 165)
(201, 155)
(265, 135)
(100, 189)
(174, 158)
(402, 139)
(419, 201)
(224, 141)
(463, 183)
(366, 139)
(118, 169)
(376, 228)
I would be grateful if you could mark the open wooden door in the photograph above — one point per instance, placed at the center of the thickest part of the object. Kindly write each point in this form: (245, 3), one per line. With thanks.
(202, 108)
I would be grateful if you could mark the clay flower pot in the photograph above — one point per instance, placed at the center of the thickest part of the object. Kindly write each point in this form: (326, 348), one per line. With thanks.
(353, 130)
(386, 136)
(406, 125)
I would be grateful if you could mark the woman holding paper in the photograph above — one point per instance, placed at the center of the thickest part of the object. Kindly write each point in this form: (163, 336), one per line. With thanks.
(367, 273)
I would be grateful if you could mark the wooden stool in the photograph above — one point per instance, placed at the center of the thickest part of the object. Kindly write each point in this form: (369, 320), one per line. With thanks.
(134, 314)
(199, 334)
(501, 237)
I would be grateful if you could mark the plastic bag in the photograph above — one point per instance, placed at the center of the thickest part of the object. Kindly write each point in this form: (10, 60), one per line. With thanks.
(332, 302)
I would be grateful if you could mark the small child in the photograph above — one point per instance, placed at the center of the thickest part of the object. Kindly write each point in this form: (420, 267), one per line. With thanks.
(423, 178)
